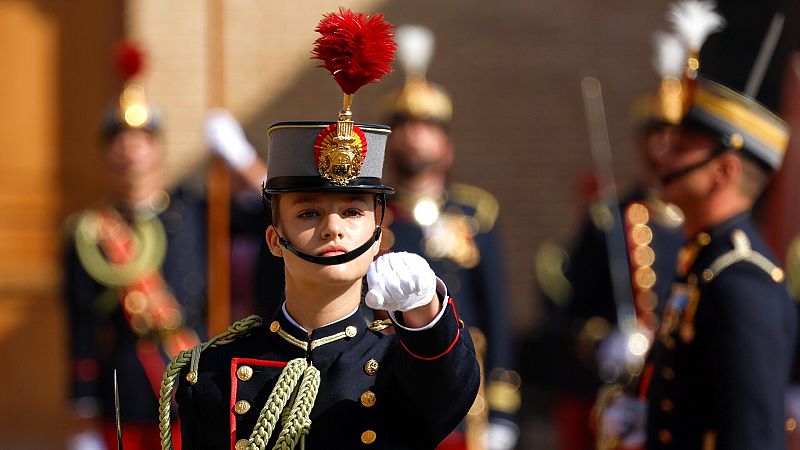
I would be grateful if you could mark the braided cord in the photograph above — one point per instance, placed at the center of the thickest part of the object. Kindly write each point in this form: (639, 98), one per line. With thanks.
(299, 421)
(276, 402)
(237, 329)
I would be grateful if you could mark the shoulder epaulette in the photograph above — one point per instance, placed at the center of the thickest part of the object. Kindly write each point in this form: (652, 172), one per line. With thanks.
(380, 325)
(485, 204)
(742, 251)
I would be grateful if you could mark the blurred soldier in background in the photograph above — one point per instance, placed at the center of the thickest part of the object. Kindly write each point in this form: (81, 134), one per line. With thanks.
(454, 227)
(585, 315)
(717, 374)
(134, 277)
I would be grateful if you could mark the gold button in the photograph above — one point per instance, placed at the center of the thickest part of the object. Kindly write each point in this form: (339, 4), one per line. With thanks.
(667, 373)
(643, 255)
(274, 326)
(641, 234)
(241, 444)
(777, 275)
(665, 436)
(708, 275)
(644, 278)
(461, 323)
(244, 373)
(368, 437)
(350, 331)
(736, 141)
(703, 239)
(791, 424)
(667, 405)
(368, 399)
(637, 214)
(191, 377)
(371, 367)
(241, 407)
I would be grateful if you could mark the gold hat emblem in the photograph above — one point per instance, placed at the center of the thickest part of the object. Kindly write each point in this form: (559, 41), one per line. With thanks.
(340, 151)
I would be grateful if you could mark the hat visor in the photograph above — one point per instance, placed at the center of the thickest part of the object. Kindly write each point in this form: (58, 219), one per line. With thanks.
(279, 185)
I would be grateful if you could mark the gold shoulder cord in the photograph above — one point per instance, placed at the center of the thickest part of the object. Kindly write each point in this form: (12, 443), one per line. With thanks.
(487, 208)
(291, 399)
(238, 329)
(149, 240)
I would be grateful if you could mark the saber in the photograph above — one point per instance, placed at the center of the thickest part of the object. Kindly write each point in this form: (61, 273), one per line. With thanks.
(764, 55)
(615, 234)
(116, 412)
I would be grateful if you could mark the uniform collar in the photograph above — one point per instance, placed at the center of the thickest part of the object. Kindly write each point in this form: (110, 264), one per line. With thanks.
(697, 248)
(724, 228)
(331, 338)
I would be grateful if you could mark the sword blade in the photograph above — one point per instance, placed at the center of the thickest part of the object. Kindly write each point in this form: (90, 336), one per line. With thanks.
(116, 412)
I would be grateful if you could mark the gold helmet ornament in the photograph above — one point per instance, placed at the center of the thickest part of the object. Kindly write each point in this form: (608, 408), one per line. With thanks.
(418, 99)
(131, 110)
(676, 57)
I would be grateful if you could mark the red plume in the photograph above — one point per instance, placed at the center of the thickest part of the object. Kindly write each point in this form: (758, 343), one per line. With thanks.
(357, 49)
(129, 59)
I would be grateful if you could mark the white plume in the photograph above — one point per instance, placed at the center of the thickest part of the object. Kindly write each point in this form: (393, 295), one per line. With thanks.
(414, 48)
(695, 20)
(669, 56)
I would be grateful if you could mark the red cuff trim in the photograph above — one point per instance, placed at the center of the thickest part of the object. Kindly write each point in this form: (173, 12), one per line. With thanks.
(449, 347)
(446, 351)
(235, 362)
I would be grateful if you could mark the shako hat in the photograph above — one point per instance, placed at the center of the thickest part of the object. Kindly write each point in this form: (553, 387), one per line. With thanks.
(340, 156)
(688, 99)
(337, 156)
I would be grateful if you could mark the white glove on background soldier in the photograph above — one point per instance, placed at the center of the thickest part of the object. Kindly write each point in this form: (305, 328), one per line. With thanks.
(225, 136)
(86, 440)
(400, 282)
(501, 434)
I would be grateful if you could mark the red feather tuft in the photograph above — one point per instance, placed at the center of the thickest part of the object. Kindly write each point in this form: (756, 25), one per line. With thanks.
(129, 59)
(357, 49)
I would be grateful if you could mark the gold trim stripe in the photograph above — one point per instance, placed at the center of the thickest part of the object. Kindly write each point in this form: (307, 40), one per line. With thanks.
(385, 131)
(303, 345)
(743, 113)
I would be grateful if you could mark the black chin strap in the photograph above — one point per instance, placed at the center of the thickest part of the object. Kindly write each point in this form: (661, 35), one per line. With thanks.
(680, 173)
(344, 257)
(332, 260)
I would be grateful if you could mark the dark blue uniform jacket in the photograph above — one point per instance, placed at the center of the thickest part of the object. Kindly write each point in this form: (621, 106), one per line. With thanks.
(719, 368)
(425, 382)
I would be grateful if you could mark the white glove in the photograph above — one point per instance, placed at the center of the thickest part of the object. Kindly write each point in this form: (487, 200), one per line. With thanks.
(86, 440)
(501, 435)
(400, 282)
(625, 421)
(615, 357)
(226, 137)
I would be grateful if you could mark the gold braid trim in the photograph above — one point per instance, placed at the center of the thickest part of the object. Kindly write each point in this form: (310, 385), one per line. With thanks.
(298, 422)
(315, 343)
(236, 330)
(276, 403)
(295, 420)
(149, 241)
